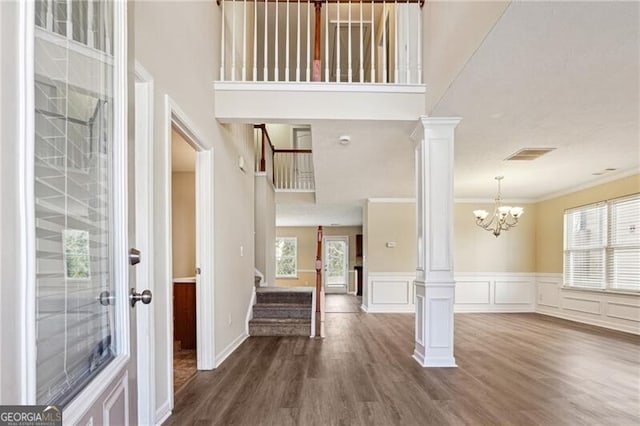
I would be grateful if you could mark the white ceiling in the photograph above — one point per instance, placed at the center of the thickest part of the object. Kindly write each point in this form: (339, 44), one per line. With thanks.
(318, 214)
(549, 74)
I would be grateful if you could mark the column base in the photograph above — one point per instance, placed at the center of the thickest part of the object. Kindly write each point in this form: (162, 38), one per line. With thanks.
(434, 362)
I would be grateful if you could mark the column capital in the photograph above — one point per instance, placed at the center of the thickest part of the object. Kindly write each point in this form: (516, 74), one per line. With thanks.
(426, 123)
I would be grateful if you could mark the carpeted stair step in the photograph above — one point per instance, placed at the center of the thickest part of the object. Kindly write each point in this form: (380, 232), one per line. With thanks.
(280, 327)
(282, 310)
(283, 295)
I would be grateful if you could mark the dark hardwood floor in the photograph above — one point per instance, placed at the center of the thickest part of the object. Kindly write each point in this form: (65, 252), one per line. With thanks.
(512, 369)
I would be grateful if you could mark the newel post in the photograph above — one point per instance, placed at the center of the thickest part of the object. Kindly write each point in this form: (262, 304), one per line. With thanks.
(434, 284)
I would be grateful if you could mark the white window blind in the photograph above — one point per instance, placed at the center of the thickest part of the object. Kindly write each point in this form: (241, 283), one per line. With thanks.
(73, 209)
(286, 257)
(602, 245)
(623, 255)
(585, 246)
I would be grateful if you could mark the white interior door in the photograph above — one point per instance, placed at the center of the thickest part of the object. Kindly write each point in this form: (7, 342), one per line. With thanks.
(84, 213)
(336, 264)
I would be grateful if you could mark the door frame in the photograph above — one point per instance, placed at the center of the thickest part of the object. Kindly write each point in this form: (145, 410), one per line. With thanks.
(344, 238)
(205, 348)
(145, 328)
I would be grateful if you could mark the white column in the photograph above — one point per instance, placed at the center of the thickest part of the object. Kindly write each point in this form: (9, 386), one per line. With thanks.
(434, 285)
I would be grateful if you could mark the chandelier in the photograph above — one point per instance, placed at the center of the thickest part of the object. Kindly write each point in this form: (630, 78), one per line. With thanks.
(503, 217)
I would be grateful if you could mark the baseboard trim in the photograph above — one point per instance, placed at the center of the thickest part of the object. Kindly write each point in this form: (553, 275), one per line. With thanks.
(231, 347)
(163, 413)
(364, 309)
(390, 309)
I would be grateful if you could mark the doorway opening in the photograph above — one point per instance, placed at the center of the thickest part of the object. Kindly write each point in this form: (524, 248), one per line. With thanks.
(183, 247)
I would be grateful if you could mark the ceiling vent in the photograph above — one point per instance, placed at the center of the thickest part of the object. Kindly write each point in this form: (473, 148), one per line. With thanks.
(528, 154)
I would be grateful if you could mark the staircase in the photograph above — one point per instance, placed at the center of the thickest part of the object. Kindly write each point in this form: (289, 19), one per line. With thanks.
(281, 311)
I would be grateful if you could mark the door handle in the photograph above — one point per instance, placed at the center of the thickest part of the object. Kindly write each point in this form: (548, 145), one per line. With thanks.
(144, 297)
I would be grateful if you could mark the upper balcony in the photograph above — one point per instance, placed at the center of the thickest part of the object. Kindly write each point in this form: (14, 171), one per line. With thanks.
(331, 59)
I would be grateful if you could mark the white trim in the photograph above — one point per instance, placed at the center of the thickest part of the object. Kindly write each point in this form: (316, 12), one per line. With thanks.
(145, 323)
(313, 312)
(26, 204)
(80, 405)
(163, 413)
(231, 347)
(249, 315)
(270, 86)
(295, 190)
(391, 200)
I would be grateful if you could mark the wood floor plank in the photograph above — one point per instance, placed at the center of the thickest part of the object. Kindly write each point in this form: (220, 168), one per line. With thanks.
(513, 369)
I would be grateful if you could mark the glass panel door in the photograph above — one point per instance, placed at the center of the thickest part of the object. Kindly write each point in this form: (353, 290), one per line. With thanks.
(336, 256)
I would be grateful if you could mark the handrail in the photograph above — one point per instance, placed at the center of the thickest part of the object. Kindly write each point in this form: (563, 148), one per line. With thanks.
(293, 151)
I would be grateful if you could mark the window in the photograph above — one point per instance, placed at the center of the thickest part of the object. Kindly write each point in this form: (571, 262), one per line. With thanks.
(75, 98)
(602, 245)
(286, 257)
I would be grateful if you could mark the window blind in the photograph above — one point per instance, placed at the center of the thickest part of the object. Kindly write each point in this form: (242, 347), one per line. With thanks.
(602, 245)
(585, 246)
(623, 255)
(73, 140)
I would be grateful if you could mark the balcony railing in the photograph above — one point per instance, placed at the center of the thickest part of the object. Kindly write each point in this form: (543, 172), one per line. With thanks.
(374, 41)
(289, 169)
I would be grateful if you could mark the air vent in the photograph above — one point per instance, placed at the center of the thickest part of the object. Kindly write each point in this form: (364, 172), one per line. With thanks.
(528, 154)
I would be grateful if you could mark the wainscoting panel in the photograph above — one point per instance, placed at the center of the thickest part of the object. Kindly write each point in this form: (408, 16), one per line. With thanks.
(495, 292)
(581, 304)
(514, 292)
(390, 292)
(548, 293)
(618, 311)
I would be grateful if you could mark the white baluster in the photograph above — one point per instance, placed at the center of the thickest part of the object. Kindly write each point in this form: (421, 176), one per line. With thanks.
(350, 70)
(69, 19)
(396, 74)
(276, 70)
(222, 53)
(373, 43)
(255, 40)
(419, 52)
(408, 43)
(308, 40)
(298, 47)
(286, 56)
(326, 41)
(361, 47)
(265, 70)
(384, 41)
(244, 40)
(338, 42)
(233, 41)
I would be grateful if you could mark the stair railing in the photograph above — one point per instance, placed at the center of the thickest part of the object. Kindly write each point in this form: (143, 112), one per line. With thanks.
(289, 169)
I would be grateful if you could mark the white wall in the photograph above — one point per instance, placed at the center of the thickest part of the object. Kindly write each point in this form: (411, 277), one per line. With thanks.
(265, 223)
(177, 43)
